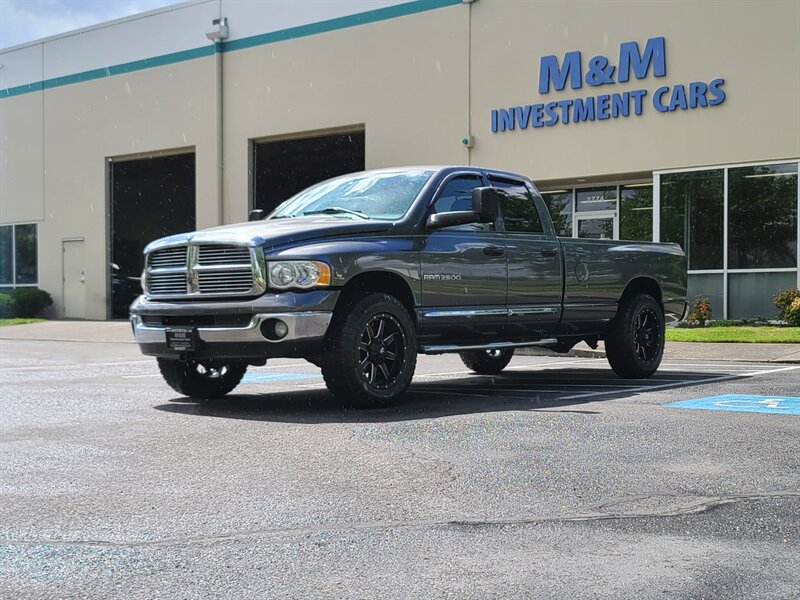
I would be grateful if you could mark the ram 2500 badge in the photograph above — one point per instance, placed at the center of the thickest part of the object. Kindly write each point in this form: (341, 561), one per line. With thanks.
(361, 273)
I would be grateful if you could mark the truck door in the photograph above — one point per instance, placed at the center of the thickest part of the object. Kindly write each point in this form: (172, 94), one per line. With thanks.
(463, 272)
(534, 263)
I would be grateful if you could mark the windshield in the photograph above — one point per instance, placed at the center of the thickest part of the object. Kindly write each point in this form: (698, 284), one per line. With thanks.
(384, 195)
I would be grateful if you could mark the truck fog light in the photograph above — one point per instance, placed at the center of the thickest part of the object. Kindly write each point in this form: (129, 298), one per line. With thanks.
(274, 329)
(280, 329)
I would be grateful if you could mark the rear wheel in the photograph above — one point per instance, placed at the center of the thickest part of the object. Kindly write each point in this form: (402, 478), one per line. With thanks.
(204, 380)
(635, 344)
(371, 352)
(487, 362)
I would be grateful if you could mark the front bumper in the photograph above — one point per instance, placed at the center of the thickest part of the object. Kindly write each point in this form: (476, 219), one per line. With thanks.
(237, 330)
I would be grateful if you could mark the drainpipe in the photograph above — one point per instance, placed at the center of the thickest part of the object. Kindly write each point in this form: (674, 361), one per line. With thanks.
(218, 34)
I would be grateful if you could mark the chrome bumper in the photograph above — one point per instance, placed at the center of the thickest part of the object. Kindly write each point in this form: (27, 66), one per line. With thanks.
(301, 325)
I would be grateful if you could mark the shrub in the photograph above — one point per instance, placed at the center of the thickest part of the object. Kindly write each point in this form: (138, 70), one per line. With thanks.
(792, 314)
(29, 302)
(6, 306)
(701, 312)
(786, 302)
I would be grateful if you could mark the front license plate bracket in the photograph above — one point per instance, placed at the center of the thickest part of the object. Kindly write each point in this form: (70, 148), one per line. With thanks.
(181, 339)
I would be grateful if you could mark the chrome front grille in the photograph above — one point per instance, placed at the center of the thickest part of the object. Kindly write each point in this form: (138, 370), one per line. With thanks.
(204, 270)
(237, 281)
(223, 255)
(159, 284)
(168, 257)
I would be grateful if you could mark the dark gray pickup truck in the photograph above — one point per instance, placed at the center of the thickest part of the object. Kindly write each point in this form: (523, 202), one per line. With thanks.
(361, 273)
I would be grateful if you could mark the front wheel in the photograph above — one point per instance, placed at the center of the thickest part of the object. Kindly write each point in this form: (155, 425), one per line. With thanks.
(487, 362)
(371, 352)
(205, 380)
(635, 343)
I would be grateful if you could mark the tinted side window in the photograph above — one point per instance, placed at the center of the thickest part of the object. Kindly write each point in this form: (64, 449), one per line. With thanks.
(456, 196)
(519, 210)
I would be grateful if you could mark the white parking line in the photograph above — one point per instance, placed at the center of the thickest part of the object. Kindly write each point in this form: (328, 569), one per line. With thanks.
(69, 366)
(530, 367)
(681, 384)
(284, 366)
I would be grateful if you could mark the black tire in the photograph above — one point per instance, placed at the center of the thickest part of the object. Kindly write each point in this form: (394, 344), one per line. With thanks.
(371, 352)
(205, 380)
(635, 343)
(487, 362)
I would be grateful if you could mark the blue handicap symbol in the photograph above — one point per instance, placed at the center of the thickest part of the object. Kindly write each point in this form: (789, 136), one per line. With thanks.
(271, 377)
(780, 405)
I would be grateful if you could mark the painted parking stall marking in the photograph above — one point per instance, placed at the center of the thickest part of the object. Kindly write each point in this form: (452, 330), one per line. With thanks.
(270, 377)
(783, 405)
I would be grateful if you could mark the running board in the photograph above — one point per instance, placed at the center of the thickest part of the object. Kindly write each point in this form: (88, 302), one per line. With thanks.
(431, 349)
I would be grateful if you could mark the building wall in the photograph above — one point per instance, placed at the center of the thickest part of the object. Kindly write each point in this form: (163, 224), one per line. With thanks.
(404, 80)
(754, 46)
(417, 79)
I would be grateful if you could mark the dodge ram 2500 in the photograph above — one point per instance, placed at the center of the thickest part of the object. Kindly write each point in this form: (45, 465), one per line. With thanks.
(360, 273)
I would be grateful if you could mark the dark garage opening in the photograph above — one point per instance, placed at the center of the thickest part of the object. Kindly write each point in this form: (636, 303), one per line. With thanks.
(150, 198)
(284, 167)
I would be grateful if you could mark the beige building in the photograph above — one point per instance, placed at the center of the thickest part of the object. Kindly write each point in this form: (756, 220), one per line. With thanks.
(673, 121)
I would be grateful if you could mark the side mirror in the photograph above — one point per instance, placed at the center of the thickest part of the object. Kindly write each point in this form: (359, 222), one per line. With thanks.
(256, 215)
(486, 202)
(450, 219)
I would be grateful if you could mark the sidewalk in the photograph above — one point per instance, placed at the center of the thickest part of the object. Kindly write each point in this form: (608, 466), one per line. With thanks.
(120, 332)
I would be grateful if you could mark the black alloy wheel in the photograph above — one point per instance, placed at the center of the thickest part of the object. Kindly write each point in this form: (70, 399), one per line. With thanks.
(382, 351)
(646, 335)
(203, 379)
(635, 340)
(370, 351)
(487, 362)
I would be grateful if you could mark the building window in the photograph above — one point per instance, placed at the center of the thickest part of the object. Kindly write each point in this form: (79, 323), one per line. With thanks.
(18, 265)
(762, 217)
(692, 214)
(742, 268)
(636, 212)
(596, 199)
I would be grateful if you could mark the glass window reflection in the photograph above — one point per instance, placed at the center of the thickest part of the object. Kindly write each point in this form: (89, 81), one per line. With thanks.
(692, 210)
(762, 217)
(599, 198)
(636, 212)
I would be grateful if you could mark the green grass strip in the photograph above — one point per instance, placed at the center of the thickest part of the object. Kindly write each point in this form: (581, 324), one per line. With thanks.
(743, 334)
(6, 322)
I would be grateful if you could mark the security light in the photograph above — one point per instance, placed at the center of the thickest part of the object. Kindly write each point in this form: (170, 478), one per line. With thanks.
(219, 30)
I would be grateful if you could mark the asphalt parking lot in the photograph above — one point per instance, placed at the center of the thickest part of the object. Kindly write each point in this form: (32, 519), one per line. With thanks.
(554, 480)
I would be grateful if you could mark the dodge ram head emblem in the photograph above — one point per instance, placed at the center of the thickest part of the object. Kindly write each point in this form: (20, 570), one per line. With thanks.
(581, 271)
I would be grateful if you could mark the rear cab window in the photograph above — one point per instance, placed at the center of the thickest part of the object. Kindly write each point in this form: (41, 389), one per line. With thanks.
(521, 215)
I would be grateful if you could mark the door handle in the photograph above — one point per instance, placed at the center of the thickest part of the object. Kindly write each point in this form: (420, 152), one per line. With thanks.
(549, 252)
(494, 250)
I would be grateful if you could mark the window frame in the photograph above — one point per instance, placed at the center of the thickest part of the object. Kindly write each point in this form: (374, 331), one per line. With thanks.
(437, 194)
(548, 231)
(14, 283)
(725, 271)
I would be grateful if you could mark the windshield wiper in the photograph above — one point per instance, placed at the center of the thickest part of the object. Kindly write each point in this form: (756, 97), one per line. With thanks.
(334, 210)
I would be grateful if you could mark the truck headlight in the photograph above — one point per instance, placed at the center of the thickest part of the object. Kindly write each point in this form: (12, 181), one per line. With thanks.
(303, 274)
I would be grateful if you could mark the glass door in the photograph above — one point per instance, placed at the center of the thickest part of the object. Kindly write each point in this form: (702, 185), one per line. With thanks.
(597, 226)
(596, 214)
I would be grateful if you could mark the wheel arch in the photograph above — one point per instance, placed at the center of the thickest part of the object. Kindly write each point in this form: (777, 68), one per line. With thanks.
(379, 281)
(643, 284)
